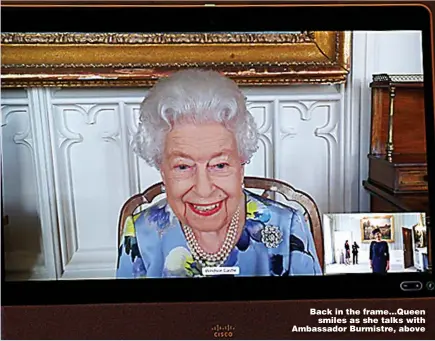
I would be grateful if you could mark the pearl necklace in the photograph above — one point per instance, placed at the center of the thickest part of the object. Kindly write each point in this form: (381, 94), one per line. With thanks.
(213, 259)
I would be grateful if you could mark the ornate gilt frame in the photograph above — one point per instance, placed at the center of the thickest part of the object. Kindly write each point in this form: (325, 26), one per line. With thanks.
(392, 228)
(125, 60)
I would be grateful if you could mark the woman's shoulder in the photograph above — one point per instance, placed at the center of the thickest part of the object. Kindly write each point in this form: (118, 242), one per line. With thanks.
(271, 212)
(257, 201)
(155, 217)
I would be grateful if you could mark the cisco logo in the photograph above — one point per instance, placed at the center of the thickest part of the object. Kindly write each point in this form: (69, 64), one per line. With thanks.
(223, 331)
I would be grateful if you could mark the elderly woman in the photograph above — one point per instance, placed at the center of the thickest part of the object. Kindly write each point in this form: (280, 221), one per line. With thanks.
(196, 130)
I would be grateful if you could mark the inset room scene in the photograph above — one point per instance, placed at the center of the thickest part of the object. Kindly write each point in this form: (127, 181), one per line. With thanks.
(373, 242)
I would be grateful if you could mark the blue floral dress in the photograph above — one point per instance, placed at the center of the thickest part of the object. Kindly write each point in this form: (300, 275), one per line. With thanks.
(154, 246)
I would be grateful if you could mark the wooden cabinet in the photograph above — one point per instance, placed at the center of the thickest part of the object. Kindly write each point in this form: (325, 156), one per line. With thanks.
(397, 115)
(397, 180)
(397, 159)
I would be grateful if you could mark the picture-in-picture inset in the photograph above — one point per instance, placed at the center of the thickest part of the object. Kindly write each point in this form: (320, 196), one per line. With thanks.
(375, 243)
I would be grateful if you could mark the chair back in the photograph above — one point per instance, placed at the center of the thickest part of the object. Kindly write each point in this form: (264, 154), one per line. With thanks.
(269, 188)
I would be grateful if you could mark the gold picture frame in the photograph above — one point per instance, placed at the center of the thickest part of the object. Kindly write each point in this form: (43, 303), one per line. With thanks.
(420, 233)
(384, 222)
(139, 59)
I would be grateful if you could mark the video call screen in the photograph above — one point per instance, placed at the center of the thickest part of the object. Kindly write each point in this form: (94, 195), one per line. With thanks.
(313, 180)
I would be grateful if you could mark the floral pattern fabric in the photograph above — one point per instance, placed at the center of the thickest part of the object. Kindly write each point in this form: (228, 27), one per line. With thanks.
(154, 245)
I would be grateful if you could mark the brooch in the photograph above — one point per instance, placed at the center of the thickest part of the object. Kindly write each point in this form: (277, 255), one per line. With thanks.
(271, 236)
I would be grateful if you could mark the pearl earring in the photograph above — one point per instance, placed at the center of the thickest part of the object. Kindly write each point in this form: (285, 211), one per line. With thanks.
(163, 188)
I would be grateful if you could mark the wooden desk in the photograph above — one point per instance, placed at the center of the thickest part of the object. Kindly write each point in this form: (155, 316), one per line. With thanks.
(383, 201)
(401, 174)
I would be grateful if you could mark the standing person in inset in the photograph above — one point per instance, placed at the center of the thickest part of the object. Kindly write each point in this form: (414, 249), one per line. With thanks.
(379, 254)
(347, 249)
(355, 248)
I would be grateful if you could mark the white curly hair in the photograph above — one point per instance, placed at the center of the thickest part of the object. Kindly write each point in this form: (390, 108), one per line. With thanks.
(196, 96)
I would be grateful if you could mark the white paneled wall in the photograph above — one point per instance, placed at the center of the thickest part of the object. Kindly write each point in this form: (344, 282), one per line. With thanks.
(69, 166)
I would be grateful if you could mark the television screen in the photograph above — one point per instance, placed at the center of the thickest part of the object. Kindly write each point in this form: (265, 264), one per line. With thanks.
(215, 155)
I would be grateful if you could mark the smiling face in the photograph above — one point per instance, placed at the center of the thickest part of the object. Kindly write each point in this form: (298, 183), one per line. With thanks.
(203, 175)
(378, 236)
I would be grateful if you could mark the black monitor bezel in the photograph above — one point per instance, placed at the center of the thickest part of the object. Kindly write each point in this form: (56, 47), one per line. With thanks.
(266, 18)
